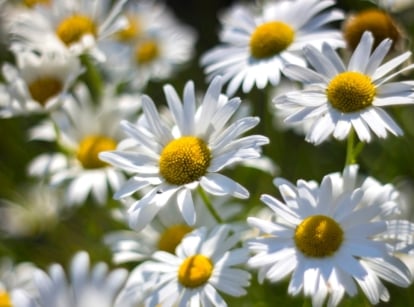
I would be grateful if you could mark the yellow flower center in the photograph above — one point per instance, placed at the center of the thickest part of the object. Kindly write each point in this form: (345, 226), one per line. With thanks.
(146, 52)
(195, 271)
(378, 22)
(184, 160)
(172, 236)
(270, 39)
(90, 147)
(32, 3)
(5, 300)
(350, 91)
(73, 28)
(131, 31)
(318, 236)
(44, 88)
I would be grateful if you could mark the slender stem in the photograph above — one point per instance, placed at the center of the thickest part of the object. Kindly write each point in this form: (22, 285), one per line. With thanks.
(92, 77)
(352, 149)
(209, 206)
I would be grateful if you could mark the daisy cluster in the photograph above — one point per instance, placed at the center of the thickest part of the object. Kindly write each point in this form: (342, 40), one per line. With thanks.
(280, 180)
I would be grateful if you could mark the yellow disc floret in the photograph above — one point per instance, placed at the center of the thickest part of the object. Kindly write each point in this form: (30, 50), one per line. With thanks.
(350, 92)
(184, 160)
(146, 51)
(318, 236)
(172, 236)
(90, 147)
(5, 300)
(270, 39)
(378, 22)
(43, 88)
(73, 28)
(195, 271)
(32, 3)
(130, 32)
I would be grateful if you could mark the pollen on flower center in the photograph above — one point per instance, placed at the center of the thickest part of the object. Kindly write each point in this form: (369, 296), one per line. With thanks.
(73, 28)
(90, 147)
(378, 22)
(32, 3)
(5, 299)
(270, 39)
(146, 52)
(350, 91)
(131, 31)
(318, 236)
(172, 236)
(184, 160)
(43, 88)
(195, 271)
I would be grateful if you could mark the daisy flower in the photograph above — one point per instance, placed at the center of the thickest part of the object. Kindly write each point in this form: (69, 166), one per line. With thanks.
(83, 129)
(39, 82)
(255, 47)
(85, 285)
(153, 47)
(327, 240)
(338, 99)
(74, 25)
(204, 265)
(175, 161)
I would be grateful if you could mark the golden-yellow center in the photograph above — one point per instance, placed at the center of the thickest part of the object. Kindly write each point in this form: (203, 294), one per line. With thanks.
(44, 88)
(377, 21)
(184, 160)
(73, 28)
(318, 236)
(195, 271)
(90, 147)
(5, 300)
(32, 3)
(172, 236)
(146, 51)
(270, 39)
(131, 31)
(350, 91)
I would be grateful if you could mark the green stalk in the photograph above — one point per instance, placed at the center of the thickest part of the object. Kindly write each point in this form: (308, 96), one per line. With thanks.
(209, 205)
(352, 149)
(92, 77)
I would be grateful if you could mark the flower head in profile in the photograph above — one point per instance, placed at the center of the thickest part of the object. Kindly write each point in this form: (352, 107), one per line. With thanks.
(85, 284)
(206, 263)
(328, 238)
(74, 25)
(255, 47)
(173, 161)
(339, 98)
(39, 82)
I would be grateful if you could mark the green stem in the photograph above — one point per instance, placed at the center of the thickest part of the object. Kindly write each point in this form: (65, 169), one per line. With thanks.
(209, 206)
(92, 77)
(352, 149)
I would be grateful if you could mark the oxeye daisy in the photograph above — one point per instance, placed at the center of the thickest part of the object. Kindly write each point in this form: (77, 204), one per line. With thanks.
(175, 161)
(74, 25)
(255, 47)
(206, 263)
(82, 130)
(338, 99)
(39, 82)
(327, 242)
(153, 47)
(85, 285)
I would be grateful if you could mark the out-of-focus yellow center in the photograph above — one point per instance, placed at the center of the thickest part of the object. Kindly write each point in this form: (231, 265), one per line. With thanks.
(146, 51)
(184, 160)
(172, 237)
(195, 271)
(89, 149)
(5, 300)
(350, 91)
(32, 3)
(270, 39)
(378, 22)
(131, 31)
(318, 236)
(73, 28)
(44, 88)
